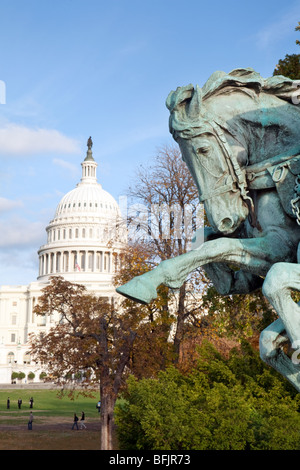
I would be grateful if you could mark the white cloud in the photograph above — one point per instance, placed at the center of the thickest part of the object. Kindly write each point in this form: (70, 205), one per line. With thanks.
(19, 232)
(279, 28)
(20, 140)
(73, 169)
(9, 204)
(18, 266)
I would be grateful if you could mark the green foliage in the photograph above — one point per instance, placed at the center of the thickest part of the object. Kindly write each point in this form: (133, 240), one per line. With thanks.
(224, 404)
(289, 67)
(238, 316)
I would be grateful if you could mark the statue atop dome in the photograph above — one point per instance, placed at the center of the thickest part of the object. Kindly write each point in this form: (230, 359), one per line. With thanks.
(90, 143)
(89, 153)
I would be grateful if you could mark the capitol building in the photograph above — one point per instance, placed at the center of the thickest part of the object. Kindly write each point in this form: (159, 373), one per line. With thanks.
(85, 232)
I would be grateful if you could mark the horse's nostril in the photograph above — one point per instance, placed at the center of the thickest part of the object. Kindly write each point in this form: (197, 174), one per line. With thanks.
(225, 224)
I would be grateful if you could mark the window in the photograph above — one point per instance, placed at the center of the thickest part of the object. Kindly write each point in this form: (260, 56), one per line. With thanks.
(91, 260)
(27, 358)
(13, 337)
(41, 320)
(10, 358)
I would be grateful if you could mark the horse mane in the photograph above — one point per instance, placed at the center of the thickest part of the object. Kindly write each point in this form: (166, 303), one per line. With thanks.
(188, 115)
(278, 85)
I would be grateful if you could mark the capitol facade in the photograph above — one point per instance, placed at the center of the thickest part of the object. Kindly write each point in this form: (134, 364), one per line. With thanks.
(85, 234)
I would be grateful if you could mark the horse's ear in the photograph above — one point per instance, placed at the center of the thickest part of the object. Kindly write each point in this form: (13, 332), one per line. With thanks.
(195, 104)
(176, 98)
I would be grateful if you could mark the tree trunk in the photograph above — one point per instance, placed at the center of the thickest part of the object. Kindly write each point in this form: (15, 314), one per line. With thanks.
(179, 334)
(108, 401)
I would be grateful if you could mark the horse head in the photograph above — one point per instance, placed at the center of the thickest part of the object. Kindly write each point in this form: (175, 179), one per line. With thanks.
(235, 120)
(216, 169)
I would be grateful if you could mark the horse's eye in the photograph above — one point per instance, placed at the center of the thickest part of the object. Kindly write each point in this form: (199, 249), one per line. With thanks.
(203, 150)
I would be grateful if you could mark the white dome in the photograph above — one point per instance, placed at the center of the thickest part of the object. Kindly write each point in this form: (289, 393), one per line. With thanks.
(86, 229)
(90, 199)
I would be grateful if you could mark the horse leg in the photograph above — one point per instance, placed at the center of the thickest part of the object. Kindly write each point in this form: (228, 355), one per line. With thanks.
(229, 282)
(226, 280)
(255, 255)
(280, 281)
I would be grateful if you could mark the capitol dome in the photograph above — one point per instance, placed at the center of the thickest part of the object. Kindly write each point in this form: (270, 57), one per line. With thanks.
(86, 230)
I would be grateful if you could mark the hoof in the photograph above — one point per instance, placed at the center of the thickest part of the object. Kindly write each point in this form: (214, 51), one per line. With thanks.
(138, 290)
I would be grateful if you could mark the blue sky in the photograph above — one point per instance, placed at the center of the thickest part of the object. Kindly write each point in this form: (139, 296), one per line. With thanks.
(75, 68)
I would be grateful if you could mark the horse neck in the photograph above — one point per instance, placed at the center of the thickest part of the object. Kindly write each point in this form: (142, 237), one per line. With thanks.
(271, 129)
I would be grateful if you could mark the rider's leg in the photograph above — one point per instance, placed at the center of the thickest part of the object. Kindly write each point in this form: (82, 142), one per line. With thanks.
(280, 281)
(270, 347)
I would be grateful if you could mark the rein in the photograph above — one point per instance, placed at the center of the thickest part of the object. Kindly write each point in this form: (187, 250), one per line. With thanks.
(255, 176)
(258, 175)
(268, 174)
(237, 176)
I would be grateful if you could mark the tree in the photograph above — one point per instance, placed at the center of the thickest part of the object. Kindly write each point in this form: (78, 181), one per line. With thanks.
(240, 316)
(151, 350)
(21, 376)
(92, 337)
(164, 215)
(30, 375)
(234, 403)
(14, 375)
(103, 339)
(289, 66)
(298, 29)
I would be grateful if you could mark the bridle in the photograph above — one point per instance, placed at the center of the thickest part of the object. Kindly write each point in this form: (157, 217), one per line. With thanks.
(236, 175)
(254, 177)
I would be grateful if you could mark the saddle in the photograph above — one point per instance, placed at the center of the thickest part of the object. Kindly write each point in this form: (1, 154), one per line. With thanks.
(284, 174)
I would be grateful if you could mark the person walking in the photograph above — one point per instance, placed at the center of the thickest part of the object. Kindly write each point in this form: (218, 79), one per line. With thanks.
(8, 403)
(30, 421)
(19, 403)
(82, 425)
(31, 402)
(75, 423)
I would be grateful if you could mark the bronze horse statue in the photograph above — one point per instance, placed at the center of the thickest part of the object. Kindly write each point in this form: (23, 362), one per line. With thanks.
(240, 138)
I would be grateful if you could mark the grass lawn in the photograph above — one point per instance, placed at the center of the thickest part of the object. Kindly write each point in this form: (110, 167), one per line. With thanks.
(52, 425)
